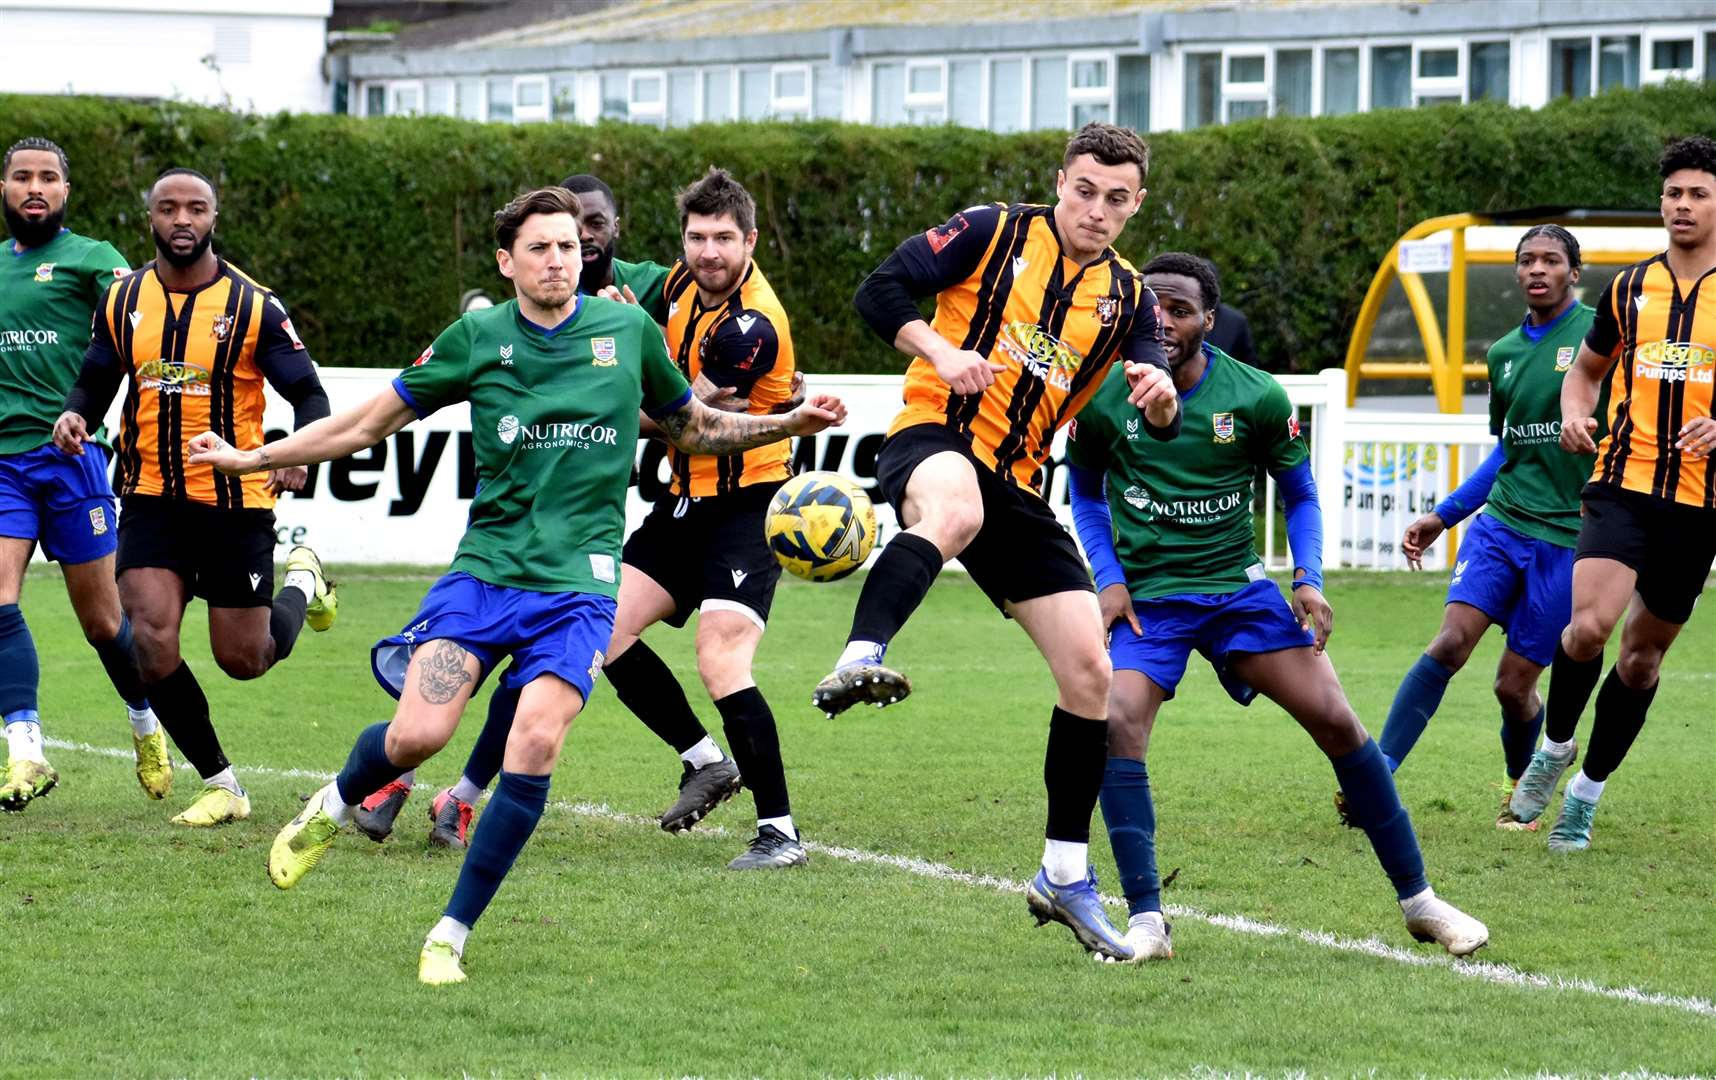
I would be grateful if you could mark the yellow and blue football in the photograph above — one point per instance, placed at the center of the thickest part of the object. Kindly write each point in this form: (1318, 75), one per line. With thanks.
(820, 526)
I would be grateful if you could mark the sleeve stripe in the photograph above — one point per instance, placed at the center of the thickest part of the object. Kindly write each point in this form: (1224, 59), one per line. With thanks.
(405, 396)
(671, 407)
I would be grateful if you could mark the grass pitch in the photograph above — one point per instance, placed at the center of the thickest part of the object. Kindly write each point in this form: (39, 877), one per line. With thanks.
(136, 948)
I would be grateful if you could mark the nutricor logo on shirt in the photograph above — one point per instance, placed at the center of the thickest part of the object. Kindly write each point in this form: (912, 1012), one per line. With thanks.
(554, 434)
(27, 339)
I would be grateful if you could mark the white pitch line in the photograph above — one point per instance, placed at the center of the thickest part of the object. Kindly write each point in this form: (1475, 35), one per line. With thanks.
(1484, 971)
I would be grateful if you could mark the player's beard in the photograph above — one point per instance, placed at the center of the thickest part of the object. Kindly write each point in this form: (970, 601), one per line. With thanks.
(595, 273)
(33, 233)
(165, 250)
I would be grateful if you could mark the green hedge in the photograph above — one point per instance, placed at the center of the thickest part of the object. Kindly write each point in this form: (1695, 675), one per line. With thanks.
(372, 229)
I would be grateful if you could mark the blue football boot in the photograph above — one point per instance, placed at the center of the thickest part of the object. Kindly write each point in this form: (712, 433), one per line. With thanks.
(1079, 908)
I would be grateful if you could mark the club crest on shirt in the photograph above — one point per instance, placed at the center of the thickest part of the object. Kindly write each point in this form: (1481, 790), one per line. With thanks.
(1223, 424)
(221, 328)
(98, 521)
(45, 272)
(603, 352)
(1107, 307)
(1564, 357)
(942, 235)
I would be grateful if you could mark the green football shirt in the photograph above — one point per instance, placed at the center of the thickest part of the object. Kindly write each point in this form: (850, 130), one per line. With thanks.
(646, 280)
(554, 419)
(1182, 508)
(1537, 490)
(48, 297)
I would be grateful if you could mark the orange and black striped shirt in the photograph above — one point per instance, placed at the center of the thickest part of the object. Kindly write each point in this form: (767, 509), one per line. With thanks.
(742, 342)
(1005, 289)
(1663, 342)
(196, 362)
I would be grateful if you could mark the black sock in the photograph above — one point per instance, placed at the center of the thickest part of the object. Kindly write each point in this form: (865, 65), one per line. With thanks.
(756, 748)
(646, 686)
(1072, 771)
(1620, 716)
(1570, 684)
(286, 620)
(121, 664)
(896, 586)
(183, 710)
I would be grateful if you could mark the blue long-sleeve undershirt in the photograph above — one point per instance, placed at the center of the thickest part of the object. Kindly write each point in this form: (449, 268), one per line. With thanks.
(1304, 522)
(1465, 499)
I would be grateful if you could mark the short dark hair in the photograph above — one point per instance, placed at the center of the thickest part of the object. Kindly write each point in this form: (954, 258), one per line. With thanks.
(1200, 270)
(180, 170)
(36, 142)
(1693, 152)
(511, 217)
(585, 183)
(1110, 144)
(1555, 232)
(716, 193)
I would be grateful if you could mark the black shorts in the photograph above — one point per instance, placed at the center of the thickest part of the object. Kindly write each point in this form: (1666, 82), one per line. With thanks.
(1021, 552)
(1669, 545)
(709, 549)
(225, 556)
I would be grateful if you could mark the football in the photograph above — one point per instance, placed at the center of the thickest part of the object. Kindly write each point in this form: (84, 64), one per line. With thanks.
(820, 526)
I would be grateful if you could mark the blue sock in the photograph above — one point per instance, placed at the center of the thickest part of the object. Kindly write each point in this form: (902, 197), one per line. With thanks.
(511, 816)
(1131, 820)
(20, 672)
(490, 749)
(367, 769)
(1518, 741)
(1375, 807)
(1414, 704)
(121, 664)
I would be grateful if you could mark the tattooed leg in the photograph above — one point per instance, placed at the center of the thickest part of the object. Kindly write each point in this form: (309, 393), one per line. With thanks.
(442, 676)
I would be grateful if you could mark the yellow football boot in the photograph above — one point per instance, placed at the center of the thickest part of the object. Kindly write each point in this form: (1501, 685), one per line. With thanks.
(154, 765)
(325, 605)
(215, 806)
(301, 844)
(439, 965)
(26, 780)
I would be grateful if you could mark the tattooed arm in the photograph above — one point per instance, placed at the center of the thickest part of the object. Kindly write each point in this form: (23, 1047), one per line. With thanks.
(698, 429)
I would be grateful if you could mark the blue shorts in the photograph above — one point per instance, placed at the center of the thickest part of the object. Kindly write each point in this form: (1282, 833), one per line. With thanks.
(1256, 619)
(64, 502)
(563, 634)
(1523, 584)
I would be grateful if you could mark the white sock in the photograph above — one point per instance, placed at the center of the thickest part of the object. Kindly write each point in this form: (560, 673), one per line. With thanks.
(24, 740)
(784, 824)
(467, 792)
(1066, 861)
(871, 651)
(336, 807)
(1558, 749)
(1146, 918)
(1415, 899)
(451, 931)
(304, 582)
(224, 779)
(704, 753)
(1584, 788)
(143, 722)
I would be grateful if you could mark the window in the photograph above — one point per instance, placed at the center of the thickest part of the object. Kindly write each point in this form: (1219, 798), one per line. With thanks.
(405, 99)
(1671, 55)
(888, 94)
(530, 98)
(828, 84)
(1340, 81)
(1006, 95)
(1570, 68)
(1245, 91)
(926, 99)
(563, 98)
(754, 86)
(1092, 92)
(1293, 82)
(1710, 56)
(965, 92)
(682, 98)
(1246, 69)
(790, 90)
(1049, 92)
(1439, 64)
(646, 97)
(718, 94)
(615, 103)
(500, 99)
(1246, 110)
(375, 100)
(438, 98)
(1390, 76)
(1132, 92)
(1618, 62)
(1203, 89)
(1488, 71)
(468, 95)
(1090, 74)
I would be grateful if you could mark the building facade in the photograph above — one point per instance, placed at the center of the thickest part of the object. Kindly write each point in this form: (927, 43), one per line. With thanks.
(1005, 67)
